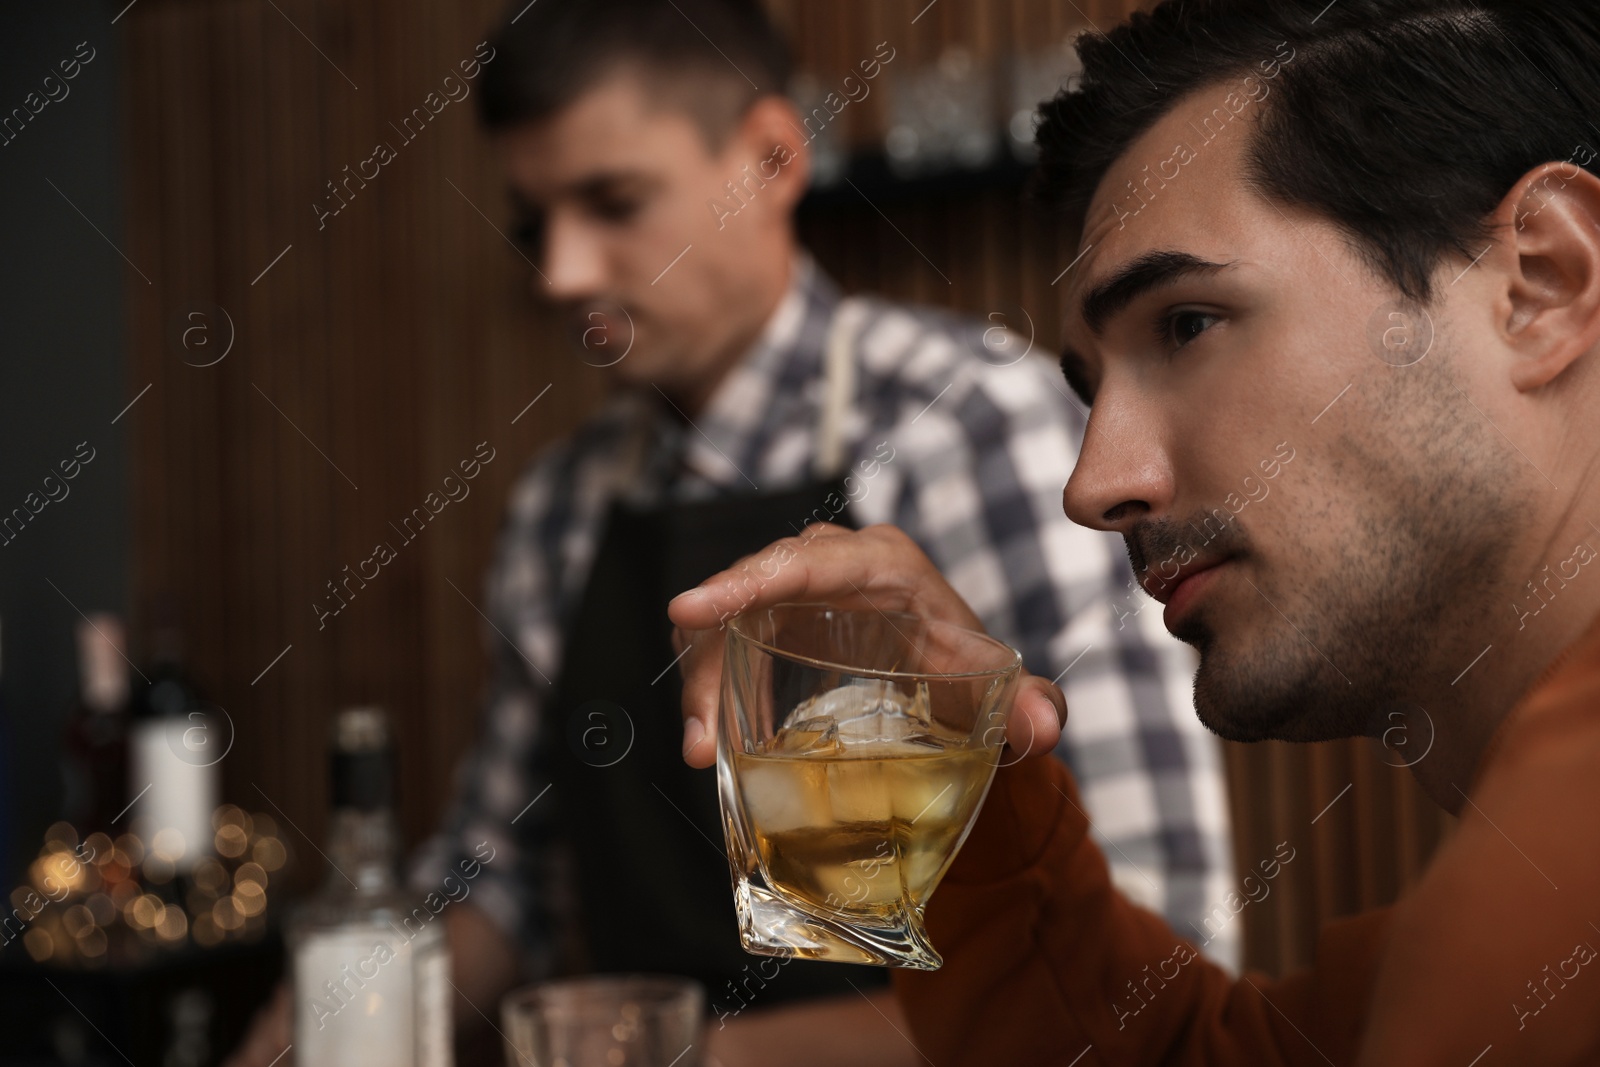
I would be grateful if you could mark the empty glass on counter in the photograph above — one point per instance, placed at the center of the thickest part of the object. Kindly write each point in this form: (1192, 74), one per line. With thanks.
(605, 1021)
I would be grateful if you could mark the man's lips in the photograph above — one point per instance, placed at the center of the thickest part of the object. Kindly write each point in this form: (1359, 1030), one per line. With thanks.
(1168, 585)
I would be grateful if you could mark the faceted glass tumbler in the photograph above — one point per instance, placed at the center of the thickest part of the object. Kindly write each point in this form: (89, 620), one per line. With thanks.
(854, 750)
(612, 1020)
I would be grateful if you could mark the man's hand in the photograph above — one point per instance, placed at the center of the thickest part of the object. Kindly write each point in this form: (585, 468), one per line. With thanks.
(879, 567)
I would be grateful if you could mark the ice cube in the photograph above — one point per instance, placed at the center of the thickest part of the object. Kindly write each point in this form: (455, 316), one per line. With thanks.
(877, 708)
(809, 737)
(860, 883)
(859, 791)
(883, 712)
(919, 870)
(784, 795)
(841, 702)
(920, 797)
(931, 792)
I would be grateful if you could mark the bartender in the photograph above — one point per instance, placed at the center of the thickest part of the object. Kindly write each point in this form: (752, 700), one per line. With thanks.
(657, 166)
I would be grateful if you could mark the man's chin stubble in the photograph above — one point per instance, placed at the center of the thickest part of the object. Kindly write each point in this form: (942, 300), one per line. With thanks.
(1275, 695)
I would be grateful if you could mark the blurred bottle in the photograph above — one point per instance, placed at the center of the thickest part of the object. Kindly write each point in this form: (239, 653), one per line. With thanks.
(96, 766)
(171, 771)
(370, 963)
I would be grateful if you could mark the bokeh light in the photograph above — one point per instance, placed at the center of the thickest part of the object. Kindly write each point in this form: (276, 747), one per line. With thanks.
(92, 899)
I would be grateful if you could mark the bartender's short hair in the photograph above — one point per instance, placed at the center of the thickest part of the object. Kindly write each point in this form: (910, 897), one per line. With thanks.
(710, 58)
(1405, 122)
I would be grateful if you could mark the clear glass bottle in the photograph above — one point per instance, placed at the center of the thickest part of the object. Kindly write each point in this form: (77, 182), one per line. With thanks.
(370, 962)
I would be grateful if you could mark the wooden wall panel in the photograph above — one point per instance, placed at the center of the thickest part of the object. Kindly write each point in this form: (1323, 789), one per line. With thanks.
(373, 354)
(1360, 827)
(367, 361)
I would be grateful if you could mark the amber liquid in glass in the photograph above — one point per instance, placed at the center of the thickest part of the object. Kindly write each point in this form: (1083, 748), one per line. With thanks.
(865, 829)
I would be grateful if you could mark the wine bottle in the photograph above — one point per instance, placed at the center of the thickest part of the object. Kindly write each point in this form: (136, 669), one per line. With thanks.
(97, 743)
(172, 779)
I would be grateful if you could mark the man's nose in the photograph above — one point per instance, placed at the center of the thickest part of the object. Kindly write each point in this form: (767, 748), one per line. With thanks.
(1123, 473)
(574, 262)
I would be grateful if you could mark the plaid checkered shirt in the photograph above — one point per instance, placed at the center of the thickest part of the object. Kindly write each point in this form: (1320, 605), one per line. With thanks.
(968, 442)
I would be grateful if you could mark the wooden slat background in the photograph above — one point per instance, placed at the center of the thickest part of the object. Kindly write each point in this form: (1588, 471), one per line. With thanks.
(376, 353)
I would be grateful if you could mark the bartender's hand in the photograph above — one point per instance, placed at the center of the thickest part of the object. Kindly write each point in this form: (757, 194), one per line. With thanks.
(879, 567)
(854, 1030)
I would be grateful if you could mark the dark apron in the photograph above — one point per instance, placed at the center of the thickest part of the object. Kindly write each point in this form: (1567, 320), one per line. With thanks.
(642, 827)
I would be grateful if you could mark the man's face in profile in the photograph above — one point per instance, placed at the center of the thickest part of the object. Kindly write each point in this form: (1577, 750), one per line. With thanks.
(616, 188)
(1249, 417)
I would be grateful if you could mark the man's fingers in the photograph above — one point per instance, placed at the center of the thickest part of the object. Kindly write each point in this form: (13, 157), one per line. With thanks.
(786, 570)
(702, 677)
(1037, 714)
(795, 568)
(879, 567)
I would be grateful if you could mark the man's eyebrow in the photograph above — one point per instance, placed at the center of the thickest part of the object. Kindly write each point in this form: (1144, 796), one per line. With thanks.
(592, 184)
(1137, 277)
(604, 180)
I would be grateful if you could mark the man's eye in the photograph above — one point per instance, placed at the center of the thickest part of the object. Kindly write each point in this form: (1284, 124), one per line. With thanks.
(616, 210)
(527, 232)
(1178, 328)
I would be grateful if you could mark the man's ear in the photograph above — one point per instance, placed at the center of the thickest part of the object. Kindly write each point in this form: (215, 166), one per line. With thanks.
(1550, 222)
(776, 144)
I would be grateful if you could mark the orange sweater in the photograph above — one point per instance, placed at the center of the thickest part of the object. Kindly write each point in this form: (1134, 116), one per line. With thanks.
(1489, 961)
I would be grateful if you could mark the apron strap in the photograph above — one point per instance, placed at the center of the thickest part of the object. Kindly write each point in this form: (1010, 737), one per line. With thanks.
(838, 389)
(829, 458)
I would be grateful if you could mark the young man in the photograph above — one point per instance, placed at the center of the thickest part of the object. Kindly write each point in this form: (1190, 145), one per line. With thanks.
(1369, 233)
(658, 166)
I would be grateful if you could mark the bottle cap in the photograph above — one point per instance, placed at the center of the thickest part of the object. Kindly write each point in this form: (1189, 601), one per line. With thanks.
(103, 672)
(363, 778)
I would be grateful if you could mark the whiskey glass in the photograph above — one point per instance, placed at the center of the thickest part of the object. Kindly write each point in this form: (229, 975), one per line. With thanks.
(854, 750)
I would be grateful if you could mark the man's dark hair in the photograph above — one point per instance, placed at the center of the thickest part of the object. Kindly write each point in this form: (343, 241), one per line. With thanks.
(711, 58)
(1405, 122)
